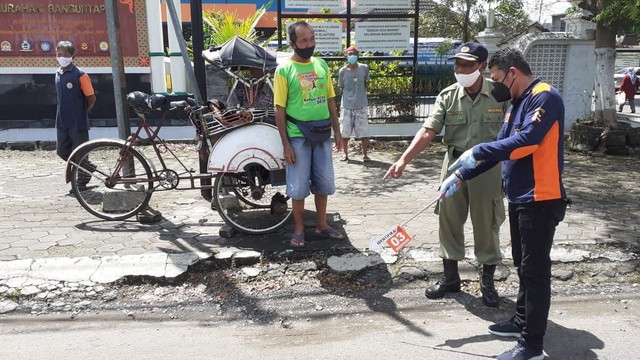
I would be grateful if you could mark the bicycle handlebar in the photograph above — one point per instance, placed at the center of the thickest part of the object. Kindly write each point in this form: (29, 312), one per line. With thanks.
(182, 103)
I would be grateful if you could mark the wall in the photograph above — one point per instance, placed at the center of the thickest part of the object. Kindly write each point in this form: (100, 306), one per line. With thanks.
(29, 100)
(566, 62)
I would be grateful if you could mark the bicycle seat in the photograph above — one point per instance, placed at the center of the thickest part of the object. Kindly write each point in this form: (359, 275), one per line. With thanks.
(142, 103)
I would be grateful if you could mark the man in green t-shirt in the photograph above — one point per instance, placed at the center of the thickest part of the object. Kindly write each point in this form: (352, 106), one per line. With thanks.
(303, 92)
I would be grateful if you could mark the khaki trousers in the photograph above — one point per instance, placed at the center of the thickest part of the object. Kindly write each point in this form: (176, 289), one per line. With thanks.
(480, 197)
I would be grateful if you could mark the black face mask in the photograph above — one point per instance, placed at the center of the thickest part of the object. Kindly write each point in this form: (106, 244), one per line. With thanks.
(305, 53)
(500, 91)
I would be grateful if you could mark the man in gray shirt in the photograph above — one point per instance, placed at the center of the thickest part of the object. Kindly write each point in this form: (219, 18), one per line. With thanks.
(352, 79)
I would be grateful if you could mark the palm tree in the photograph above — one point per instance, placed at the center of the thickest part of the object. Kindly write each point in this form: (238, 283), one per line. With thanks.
(221, 27)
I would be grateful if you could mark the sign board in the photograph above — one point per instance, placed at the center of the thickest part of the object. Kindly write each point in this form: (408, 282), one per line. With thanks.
(328, 36)
(305, 4)
(396, 239)
(627, 59)
(384, 4)
(30, 30)
(382, 36)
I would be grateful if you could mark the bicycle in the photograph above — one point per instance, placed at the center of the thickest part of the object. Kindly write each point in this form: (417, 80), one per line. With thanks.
(113, 180)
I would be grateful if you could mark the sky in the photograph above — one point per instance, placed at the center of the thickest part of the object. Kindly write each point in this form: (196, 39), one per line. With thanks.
(542, 10)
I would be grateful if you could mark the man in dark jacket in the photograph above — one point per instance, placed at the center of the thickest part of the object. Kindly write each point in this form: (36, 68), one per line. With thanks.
(530, 147)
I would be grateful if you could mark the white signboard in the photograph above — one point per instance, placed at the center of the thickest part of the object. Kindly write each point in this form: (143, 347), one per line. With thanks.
(627, 59)
(328, 36)
(384, 4)
(305, 4)
(382, 36)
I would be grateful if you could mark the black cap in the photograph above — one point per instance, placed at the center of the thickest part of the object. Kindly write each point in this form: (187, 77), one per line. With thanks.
(471, 51)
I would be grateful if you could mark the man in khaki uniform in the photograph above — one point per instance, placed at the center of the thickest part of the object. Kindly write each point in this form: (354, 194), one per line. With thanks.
(469, 115)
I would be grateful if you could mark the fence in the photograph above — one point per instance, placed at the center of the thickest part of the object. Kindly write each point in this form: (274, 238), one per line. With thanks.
(399, 108)
(399, 99)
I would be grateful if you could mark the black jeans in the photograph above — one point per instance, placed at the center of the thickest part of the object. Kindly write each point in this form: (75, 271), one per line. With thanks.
(532, 228)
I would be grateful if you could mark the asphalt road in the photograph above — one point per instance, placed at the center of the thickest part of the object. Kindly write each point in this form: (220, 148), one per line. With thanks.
(399, 324)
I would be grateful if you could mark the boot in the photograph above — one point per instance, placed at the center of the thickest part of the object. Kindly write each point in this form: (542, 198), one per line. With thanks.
(489, 294)
(450, 281)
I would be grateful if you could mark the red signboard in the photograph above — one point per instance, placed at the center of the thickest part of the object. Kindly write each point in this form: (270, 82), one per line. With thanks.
(30, 29)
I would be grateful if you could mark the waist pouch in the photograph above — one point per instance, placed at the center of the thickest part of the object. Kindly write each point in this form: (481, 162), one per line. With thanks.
(314, 131)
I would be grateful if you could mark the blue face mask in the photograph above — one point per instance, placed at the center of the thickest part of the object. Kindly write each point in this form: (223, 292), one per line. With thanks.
(352, 59)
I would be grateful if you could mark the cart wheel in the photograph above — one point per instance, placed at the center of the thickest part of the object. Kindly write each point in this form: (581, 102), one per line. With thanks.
(251, 209)
(102, 191)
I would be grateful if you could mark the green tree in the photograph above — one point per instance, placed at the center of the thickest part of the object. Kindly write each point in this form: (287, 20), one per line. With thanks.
(220, 27)
(610, 16)
(450, 19)
(510, 17)
(443, 49)
(463, 19)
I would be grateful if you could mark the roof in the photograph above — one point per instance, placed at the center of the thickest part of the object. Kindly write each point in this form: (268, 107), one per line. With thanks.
(534, 27)
(629, 40)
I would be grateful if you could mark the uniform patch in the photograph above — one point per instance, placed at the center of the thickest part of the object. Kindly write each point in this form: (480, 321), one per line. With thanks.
(537, 115)
(494, 111)
(454, 112)
(69, 85)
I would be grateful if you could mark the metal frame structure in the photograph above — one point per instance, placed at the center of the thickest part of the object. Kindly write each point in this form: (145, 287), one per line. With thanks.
(348, 16)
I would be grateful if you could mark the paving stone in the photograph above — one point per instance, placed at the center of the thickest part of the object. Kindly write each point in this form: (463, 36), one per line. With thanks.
(15, 251)
(15, 268)
(178, 263)
(7, 306)
(112, 268)
(362, 207)
(64, 269)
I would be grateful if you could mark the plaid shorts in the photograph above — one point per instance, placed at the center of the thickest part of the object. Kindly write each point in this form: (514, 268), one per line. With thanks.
(354, 122)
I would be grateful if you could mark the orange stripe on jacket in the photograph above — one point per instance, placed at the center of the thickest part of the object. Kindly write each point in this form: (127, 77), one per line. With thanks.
(546, 172)
(521, 152)
(86, 86)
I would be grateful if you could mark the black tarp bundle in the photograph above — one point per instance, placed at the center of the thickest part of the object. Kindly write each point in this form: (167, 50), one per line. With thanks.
(239, 53)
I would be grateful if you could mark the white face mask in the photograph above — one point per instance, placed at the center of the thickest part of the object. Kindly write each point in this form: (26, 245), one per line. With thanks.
(63, 61)
(467, 80)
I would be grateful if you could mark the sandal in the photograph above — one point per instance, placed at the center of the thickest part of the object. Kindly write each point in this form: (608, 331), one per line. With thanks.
(329, 233)
(366, 159)
(344, 158)
(297, 241)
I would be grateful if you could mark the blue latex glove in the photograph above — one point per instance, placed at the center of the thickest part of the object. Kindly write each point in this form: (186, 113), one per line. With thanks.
(449, 186)
(466, 160)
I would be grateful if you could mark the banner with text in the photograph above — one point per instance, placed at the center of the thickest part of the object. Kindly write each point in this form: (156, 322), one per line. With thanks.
(382, 36)
(328, 36)
(30, 30)
(383, 4)
(305, 4)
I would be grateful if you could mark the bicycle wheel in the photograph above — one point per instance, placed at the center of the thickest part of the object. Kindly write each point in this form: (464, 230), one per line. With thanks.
(248, 207)
(105, 192)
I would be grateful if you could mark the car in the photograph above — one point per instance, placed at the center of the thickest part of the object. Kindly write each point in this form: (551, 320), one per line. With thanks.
(619, 75)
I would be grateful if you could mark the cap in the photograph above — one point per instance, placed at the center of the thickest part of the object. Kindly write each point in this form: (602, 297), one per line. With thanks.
(471, 51)
(352, 48)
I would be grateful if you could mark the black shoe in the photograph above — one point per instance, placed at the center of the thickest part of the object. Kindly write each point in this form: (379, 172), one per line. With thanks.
(521, 351)
(506, 328)
(490, 296)
(442, 287)
(450, 282)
